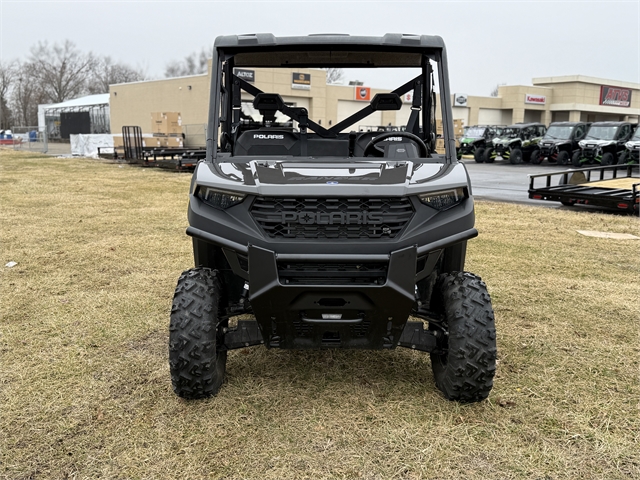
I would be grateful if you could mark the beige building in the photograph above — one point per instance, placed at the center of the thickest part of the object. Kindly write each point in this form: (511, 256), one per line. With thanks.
(549, 99)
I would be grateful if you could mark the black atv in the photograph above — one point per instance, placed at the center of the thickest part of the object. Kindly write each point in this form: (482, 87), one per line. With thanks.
(329, 237)
(517, 143)
(476, 139)
(603, 144)
(560, 143)
(631, 154)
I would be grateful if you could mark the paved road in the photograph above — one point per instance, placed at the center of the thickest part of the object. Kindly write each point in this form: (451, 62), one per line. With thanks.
(505, 182)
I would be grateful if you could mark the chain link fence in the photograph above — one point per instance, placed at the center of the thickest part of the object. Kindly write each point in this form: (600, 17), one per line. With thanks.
(31, 139)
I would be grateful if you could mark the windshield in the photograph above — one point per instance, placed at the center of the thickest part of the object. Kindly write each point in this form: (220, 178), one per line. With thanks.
(636, 136)
(511, 132)
(475, 132)
(601, 132)
(557, 132)
(350, 100)
(314, 110)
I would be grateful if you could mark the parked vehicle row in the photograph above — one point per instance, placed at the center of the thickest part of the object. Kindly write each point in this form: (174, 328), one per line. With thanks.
(576, 143)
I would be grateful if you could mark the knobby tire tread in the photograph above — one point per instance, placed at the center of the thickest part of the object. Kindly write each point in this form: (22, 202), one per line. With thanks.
(465, 372)
(197, 364)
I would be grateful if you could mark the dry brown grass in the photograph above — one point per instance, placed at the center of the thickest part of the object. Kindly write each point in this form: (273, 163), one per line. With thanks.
(85, 390)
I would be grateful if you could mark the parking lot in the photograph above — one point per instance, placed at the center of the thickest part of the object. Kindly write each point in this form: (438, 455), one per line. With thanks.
(501, 181)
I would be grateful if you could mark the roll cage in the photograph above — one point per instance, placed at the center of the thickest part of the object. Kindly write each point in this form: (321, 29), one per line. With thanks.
(309, 52)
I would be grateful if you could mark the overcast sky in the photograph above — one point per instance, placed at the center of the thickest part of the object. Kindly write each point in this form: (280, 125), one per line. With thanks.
(488, 43)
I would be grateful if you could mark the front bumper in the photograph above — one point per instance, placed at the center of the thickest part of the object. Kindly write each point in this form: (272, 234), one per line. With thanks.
(299, 316)
(502, 150)
(339, 293)
(548, 151)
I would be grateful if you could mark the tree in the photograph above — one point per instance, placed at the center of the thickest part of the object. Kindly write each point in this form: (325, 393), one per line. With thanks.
(106, 72)
(26, 95)
(7, 80)
(494, 92)
(193, 64)
(334, 75)
(62, 70)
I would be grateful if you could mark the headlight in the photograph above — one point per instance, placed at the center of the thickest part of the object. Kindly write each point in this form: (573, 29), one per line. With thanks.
(218, 198)
(444, 199)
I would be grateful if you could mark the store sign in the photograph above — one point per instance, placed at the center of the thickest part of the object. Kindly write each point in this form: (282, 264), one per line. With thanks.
(408, 97)
(246, 75)
(535, 99)
(362, 93)
(301, 81)
(615, 97)
(459, 99)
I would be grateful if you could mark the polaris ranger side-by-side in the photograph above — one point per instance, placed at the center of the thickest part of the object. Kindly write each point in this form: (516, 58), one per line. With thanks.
(329, 237)
(560, 143)
(603, 144)
(517, 143)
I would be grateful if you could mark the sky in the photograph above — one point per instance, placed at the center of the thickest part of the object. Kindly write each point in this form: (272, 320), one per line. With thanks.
(488, 43)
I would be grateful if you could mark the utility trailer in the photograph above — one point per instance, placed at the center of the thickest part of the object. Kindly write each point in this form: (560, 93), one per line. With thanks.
(173, 158)
(614, 186)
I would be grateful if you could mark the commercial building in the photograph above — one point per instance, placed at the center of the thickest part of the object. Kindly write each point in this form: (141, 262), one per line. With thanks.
(547, 100)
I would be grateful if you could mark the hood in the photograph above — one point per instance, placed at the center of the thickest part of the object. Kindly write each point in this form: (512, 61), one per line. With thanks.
(549, 142)
(633, 145)
(595, 143)
(292, 177)
(505, 140)
(469, 139)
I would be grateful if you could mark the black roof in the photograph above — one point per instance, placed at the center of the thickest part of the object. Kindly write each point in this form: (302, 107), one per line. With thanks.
(525, 125)
(609, 124)
(326, 39)
(568, 124)
(390, 50)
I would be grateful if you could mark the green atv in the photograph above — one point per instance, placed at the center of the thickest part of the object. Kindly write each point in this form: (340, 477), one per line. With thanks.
(518, 143)
(476, 139)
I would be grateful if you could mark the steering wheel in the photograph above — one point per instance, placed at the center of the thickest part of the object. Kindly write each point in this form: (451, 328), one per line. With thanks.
(372, 146)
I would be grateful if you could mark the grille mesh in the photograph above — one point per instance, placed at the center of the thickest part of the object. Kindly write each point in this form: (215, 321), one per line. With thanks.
(332, 218)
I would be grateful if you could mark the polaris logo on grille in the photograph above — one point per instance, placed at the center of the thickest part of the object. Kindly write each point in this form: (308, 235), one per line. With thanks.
(333, 218)
(262, 136)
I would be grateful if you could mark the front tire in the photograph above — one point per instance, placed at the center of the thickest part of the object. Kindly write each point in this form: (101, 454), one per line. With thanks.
(622, 159)
(576, 159)
(536, 159)
(516, 156)
(607, 159)
(478, 155)
(196, 361)
(466, 365)
(563, 157)
(488, 157)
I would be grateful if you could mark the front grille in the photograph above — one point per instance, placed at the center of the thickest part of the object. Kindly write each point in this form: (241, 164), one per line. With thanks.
(332, 218)
(370, 273)
(306, 330)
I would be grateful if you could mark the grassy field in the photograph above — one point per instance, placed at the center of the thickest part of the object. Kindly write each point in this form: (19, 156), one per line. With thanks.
(84, 378)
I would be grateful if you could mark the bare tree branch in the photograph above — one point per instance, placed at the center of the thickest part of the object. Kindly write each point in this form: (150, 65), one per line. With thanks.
(334, 75)
(193, 64)
(107, 73)
(62, 70)
(8, 71)
(26, 95)
(494, 92)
